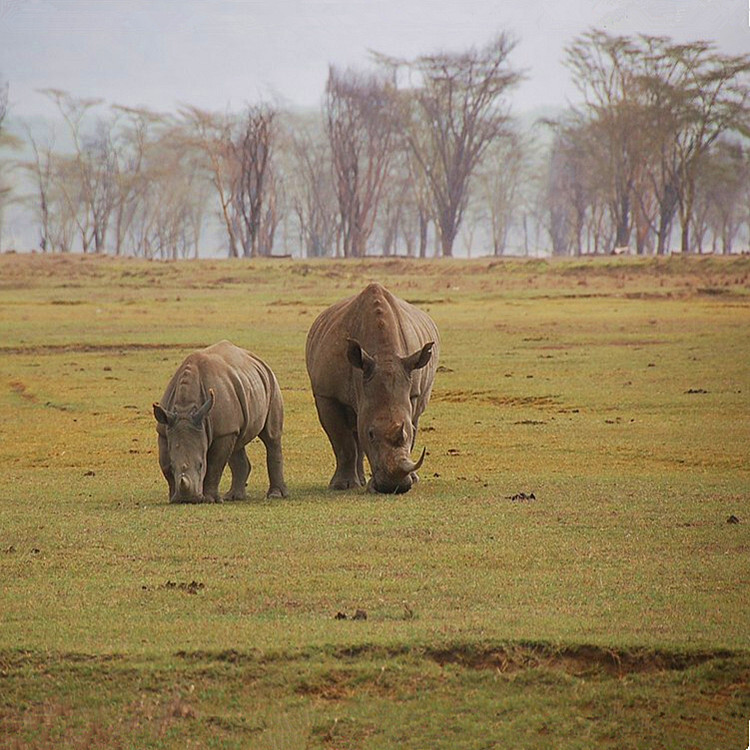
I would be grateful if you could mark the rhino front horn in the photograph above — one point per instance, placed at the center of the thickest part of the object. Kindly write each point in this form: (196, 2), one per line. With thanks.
(409, 466)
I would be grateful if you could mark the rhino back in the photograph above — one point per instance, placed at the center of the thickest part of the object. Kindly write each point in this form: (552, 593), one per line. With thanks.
(384, 325)
(244, 387)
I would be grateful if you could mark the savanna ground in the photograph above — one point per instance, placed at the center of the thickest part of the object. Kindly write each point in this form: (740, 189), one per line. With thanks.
(565, 574)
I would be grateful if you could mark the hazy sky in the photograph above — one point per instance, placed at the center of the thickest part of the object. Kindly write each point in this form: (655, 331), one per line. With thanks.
(221, 54)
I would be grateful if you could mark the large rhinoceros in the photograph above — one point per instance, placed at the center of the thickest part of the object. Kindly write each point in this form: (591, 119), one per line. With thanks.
(372, 360)
(220, 399)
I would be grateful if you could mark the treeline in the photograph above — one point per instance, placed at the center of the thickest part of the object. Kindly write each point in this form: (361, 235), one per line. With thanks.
(413, 157)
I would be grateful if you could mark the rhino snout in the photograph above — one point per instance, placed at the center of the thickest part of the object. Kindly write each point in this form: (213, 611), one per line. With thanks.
(186, 491)
(387, 486)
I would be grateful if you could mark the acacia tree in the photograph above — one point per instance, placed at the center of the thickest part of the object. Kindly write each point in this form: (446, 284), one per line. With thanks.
(88, 175)
(715, 102)
(657, 107)
(602, 68)
(453, 110)
(569, 194)
(359, 119)
(140, 130)
(721, 193)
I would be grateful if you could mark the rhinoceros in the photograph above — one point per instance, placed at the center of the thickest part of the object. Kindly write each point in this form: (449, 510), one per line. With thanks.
(372, 359)
(220, 399)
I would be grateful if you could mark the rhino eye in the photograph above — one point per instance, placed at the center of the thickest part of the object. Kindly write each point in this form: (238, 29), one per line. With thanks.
(371, 434)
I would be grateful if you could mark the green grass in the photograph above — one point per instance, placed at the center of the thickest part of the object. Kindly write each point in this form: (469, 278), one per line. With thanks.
(609, 611)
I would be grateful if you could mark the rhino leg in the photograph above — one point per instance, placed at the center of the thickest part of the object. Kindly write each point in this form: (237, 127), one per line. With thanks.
(166, 466)
(271, 437)
(337, 424)
(218, 454)
(360, 462)
(239, 465)
(275, 466)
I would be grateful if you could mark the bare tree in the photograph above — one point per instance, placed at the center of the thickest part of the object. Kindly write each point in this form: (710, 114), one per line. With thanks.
(453, 110)
(212, 134)
(252, 195)
(359, 112)
(499, 182)
(41, 171)
(7, 141)
(313, 194)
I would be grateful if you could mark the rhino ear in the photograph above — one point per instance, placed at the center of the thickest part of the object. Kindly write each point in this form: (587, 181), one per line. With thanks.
(359, 358)
(162, 416)
(420, 358)
(201, 414)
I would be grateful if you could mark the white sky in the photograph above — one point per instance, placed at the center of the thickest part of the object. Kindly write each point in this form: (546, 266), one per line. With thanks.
(221, 54)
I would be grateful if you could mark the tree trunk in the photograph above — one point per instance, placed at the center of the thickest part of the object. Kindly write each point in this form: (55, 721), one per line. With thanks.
(685, 238)
(423, 227)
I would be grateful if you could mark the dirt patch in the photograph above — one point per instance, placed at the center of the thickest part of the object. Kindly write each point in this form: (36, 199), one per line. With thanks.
(19, 389)
(94, 348)
(419, 301)
(188, 588)
(490, 397)
(583, 660)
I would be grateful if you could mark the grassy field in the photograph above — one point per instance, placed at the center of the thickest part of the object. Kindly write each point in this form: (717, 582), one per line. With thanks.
(565, 574)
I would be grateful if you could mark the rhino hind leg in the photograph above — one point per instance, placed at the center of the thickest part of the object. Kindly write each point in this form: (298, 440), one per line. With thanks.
(337, 424)
(239, 465)
(274, 463)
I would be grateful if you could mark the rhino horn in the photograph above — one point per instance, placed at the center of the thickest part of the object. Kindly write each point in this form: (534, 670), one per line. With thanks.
(408, 466)
(184, 485)
(200, 415)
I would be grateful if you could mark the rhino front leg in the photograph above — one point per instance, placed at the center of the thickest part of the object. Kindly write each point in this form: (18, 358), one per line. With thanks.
(166, 466)
(218, 455)
(239, 464)
(340, 431)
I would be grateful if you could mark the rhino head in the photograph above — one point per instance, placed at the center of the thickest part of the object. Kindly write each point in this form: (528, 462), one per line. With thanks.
(187, 446)
(384, 415)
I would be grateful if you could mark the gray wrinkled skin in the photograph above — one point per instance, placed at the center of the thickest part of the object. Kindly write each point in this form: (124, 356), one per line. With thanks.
(372, 360)
(220, 399)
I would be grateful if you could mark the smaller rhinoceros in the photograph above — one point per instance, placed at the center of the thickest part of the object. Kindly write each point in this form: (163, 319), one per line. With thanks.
(220, 399)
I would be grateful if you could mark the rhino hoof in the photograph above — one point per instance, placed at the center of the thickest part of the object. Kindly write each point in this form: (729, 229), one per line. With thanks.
(344, 484)
(231, 496)
(277, 492)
